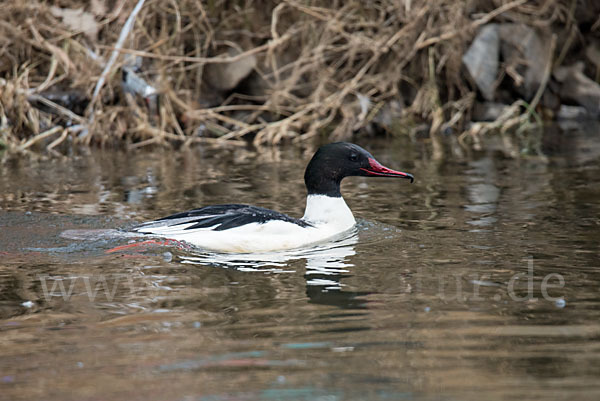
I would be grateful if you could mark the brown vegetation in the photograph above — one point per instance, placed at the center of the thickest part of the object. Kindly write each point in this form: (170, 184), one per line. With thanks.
(225, 72)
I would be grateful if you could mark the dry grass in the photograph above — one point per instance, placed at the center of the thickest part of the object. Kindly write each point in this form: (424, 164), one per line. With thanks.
(321, 68)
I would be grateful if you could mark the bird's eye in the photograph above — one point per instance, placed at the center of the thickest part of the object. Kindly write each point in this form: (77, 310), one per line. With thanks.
(353, 157)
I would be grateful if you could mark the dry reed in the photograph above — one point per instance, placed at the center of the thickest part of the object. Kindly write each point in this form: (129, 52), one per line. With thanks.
(319, 68)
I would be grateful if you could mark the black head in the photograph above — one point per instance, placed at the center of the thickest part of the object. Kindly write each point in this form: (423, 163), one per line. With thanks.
(332, 162)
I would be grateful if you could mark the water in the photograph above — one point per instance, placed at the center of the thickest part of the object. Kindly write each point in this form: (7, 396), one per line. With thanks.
(480, 280)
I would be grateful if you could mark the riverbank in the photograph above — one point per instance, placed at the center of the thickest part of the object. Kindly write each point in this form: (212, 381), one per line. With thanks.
(228, 74)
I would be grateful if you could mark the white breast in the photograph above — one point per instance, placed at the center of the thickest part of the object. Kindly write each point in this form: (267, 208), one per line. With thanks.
(328, 211)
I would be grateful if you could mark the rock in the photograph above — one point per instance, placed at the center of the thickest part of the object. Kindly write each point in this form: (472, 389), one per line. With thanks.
(481, 59)
(526, 52)
(572, 113)
(488, 111)
(225, 77)
(78, 20)
(578, 88)
(389, 114)
(592, 52)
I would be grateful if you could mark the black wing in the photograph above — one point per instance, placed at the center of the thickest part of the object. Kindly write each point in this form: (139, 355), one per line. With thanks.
(223, 217)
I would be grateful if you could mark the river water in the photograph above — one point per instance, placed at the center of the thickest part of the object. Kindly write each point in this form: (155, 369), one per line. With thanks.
(479, 281)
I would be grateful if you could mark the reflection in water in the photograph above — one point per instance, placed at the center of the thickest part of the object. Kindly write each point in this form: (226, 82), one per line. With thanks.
(483, 194)
(325, 265)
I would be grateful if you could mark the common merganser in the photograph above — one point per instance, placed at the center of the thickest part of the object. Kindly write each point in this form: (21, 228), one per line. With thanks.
(248, 229)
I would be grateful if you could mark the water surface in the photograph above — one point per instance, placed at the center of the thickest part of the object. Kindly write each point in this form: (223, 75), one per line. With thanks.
(481, 278)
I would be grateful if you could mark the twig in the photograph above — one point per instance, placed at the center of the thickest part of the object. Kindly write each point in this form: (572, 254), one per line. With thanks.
(113, 57)
(545, 77)
(219, 109)
(481, 21)
(39, 137)
(204, 60)
(60, 109)
(57, 51)
(58, 140)
(48, 80)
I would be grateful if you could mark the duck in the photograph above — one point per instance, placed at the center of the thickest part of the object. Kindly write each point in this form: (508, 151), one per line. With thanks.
(240, 228)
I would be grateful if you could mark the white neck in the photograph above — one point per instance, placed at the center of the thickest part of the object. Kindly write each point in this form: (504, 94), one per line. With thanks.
(323, 209)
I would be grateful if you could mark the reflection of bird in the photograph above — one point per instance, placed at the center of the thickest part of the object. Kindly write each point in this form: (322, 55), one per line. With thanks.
(243, 228)
(328, 258)
(325, 265)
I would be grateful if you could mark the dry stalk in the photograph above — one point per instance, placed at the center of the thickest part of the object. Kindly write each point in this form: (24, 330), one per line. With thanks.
(37, 138)
(312, 61)
(113, 57)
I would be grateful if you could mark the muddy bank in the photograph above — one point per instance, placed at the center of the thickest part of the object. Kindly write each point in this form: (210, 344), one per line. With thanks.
(222, 73)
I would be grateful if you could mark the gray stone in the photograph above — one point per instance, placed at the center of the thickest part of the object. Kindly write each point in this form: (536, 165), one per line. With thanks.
(227, 76)
(527, 52)
(481, 60)
(488, 111)
(578, 88)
